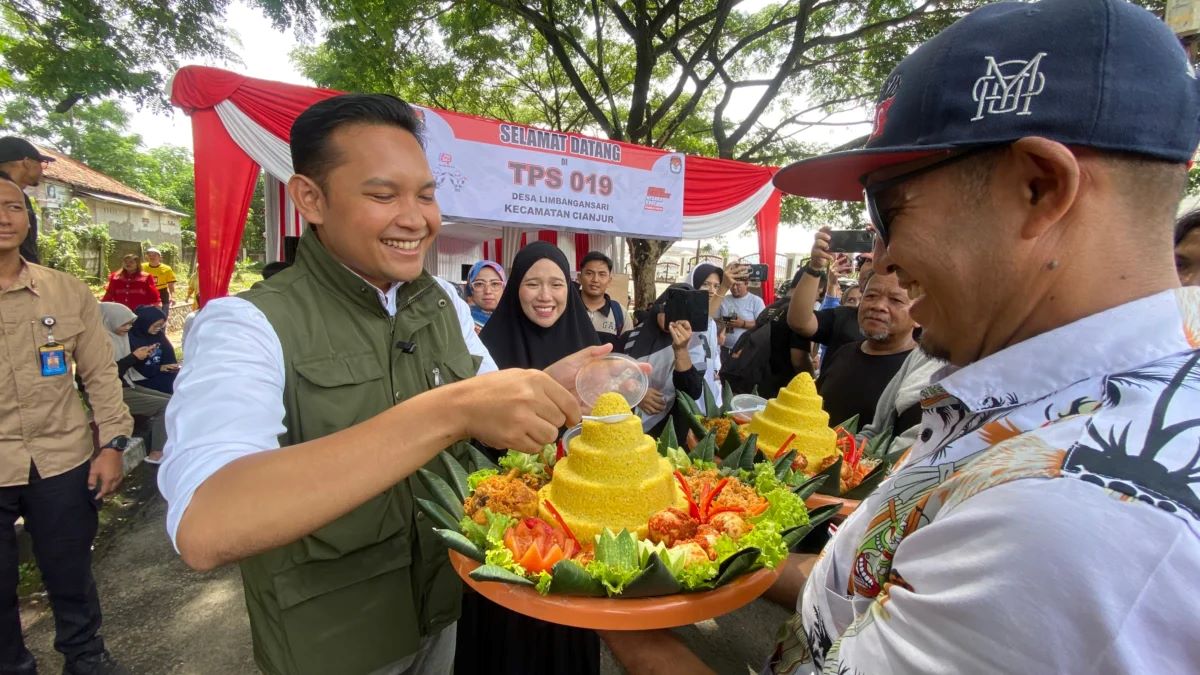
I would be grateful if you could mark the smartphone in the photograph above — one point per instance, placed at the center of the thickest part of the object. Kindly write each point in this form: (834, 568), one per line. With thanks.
(757, 273)
(850, 241)
(690, 306)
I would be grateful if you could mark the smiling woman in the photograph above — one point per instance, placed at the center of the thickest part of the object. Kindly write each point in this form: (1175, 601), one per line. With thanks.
(540, 317)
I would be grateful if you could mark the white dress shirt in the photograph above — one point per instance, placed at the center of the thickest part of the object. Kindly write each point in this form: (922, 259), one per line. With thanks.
(228, 400)
(1072, 547)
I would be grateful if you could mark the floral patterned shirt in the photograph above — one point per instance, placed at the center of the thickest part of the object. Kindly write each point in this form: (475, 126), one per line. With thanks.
(1047, 519)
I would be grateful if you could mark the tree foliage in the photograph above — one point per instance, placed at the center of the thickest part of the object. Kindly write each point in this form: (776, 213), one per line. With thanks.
(98, 135)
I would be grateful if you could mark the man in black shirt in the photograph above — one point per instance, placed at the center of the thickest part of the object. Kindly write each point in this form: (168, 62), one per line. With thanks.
(855, 375)
(830, 327)
(22, 161)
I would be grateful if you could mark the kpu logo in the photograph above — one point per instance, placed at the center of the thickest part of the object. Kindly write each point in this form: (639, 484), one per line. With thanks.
(1008, 87)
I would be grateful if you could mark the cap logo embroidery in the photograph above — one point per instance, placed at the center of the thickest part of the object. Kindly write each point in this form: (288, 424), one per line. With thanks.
(887, 96)
(998, 93)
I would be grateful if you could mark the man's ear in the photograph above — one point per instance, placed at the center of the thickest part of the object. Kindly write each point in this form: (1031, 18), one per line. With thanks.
(308, 197)
(1048, 180)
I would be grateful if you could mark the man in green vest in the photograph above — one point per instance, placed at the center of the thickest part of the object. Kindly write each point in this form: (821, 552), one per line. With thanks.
(306, 403)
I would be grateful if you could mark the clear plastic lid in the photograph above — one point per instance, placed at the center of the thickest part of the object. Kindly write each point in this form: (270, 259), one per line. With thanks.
(614, 372)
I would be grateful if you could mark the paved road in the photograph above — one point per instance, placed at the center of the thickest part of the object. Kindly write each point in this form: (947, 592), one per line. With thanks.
(161, 617)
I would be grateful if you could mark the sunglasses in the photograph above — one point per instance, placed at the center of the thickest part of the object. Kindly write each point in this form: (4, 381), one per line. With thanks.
(872, 191)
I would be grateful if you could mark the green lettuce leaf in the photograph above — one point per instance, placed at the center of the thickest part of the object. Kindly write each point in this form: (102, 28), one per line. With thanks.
(613, 577)
(478, 477)
(785, 509)
(523, 463)
(616, 560)
(489, 535)
(679, 459)
(501, 557)
(543, 582)
(698, 575)
(766, 537)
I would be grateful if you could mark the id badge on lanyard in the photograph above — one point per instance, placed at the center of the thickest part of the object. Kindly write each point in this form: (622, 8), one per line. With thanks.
(52, 357)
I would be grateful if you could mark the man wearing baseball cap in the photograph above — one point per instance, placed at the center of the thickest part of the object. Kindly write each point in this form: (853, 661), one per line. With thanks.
(1023, 176)
(24, 163)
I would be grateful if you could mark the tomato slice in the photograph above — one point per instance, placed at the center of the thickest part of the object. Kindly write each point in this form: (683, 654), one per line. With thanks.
(537, 546)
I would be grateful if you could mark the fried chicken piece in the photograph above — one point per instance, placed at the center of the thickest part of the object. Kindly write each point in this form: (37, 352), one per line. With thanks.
(671, 525)
(706, 537)
(502, 494)
(731, 524)
(826, 463)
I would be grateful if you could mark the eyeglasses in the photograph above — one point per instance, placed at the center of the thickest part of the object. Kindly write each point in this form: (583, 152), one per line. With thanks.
(487, 285)
(871, 192)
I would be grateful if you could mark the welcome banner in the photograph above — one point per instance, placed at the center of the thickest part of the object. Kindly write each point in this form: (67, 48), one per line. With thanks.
(501, 172)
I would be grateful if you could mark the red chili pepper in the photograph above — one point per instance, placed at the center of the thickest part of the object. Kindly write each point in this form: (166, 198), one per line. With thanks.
(561, 452)
(783, 448)
(562, 523)
(709, 496)
(693, 509)
(724, 509)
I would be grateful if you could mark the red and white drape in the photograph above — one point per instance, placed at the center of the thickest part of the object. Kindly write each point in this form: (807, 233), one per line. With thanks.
(240, 124)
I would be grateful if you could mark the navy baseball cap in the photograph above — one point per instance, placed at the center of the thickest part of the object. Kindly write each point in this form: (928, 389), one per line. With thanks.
(1102, 74)
(13, 148)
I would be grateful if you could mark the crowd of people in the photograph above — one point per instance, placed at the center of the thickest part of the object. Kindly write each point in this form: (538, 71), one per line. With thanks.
(1018, 330)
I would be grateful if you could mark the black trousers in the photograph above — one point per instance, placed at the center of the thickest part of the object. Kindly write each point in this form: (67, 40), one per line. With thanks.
(61, 517)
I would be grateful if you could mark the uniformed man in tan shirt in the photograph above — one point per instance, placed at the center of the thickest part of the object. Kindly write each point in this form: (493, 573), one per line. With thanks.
(49, 322)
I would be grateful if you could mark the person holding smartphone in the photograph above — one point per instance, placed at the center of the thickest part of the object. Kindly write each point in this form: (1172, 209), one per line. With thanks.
(738, 311)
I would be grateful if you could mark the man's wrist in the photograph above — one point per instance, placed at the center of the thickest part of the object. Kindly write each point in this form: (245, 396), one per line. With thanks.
(813, 271)
(118, 443)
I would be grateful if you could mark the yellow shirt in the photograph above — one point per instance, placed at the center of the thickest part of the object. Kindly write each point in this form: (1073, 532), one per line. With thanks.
(42, 418)
(163, 274)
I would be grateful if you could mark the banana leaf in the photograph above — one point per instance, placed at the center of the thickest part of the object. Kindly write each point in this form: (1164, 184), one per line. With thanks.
(732, 442)
(687, 404)
(454, 540)
(480, 460)
(868, 484)
(442, 493)
(692, 412)
(876, 447)
(706, 449)
(667, 439)
(710, 402)
(784, 464)
(497, 573)
(736, 565)
(726, 398)
(568, 578)
(850, 425)
(808, 487)
(438, 515)
(832, 486)
(743, 457)
(792, 537)
(458, 476)
(655, 579)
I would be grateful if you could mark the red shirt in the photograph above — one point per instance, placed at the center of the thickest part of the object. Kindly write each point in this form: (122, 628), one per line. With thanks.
(131, 290)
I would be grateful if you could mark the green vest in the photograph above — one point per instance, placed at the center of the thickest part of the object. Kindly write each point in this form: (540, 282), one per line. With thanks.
(359, 593)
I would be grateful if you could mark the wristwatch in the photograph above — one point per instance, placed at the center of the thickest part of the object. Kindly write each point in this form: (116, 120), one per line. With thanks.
(813, 273)
(118, 443)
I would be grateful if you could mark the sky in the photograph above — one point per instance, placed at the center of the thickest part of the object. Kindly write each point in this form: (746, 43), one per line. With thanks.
(264, 53)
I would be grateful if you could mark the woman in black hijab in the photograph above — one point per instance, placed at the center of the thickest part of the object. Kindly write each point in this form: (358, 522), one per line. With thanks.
(540, 319)
(705, 348)
(665, 348)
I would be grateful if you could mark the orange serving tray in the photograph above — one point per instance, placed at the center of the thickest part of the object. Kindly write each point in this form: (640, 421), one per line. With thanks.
(819, 500)
(665, 611)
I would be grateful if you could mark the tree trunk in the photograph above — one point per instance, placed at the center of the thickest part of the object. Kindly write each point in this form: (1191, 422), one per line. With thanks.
(643, 259)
